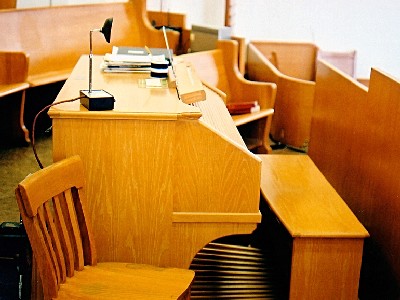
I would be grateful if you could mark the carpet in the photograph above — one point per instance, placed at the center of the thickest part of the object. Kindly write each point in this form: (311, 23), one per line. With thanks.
(15, 164)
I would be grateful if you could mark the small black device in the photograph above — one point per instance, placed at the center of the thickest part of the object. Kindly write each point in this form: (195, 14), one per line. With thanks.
(97, 100)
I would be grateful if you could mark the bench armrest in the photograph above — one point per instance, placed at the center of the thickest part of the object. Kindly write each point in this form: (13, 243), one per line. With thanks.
(246, 90)
(242, 89)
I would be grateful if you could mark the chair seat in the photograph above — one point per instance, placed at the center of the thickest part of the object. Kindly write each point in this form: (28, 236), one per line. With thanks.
(115, 280)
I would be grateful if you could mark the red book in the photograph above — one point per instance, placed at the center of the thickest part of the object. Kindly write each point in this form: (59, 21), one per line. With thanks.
(243, 107)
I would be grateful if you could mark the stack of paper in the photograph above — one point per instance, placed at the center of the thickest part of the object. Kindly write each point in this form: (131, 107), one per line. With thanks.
(131, 59)
(126, 63)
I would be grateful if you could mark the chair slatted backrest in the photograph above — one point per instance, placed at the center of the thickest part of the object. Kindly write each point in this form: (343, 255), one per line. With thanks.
(51, 202)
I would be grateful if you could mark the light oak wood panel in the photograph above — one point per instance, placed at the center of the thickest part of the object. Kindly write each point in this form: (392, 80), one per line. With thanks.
(334, 139)
(325, 268)
(120, 165)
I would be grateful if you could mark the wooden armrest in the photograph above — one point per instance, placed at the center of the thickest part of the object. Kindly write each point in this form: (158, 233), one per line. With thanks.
(247, 118)
(49, 77)
(216, 90)
(7, 89)
(247, 90)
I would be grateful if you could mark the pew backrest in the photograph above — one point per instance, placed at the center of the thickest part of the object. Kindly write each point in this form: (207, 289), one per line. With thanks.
(354, 142)
(337, 98)
(294, 59)
(55, 37)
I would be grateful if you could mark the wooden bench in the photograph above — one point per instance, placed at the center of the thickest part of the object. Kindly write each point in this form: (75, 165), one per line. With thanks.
(354, 142)
(318, 239)
(13, 85)
(55, 37)
(172, 21)
(291, 66)
(218, 69)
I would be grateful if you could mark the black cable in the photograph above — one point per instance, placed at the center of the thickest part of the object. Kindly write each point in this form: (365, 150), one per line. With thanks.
(34, 124)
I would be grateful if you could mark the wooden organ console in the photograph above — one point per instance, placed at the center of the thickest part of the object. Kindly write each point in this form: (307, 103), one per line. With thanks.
(164, 178)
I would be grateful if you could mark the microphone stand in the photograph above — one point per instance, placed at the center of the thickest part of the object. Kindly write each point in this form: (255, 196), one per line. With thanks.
(96, 99)
(91, 59)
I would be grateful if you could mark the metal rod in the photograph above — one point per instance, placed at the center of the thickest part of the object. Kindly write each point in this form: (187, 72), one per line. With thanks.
(91, 59)
(90, 63)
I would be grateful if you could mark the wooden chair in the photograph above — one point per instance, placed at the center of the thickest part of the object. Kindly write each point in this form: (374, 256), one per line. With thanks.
(52, 205)
(13, 84)
(218, 69)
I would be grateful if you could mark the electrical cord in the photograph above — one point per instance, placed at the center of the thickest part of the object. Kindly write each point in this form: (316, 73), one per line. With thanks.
(34, 124)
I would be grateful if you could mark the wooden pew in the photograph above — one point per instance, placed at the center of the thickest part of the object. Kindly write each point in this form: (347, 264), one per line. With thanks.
(292, 67)
(172, 21)
(55, 37)
(354, 138)
(318, 240)
(218, 69)
(13, 85)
